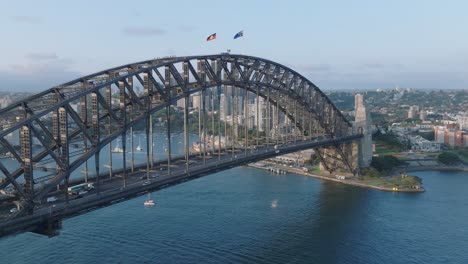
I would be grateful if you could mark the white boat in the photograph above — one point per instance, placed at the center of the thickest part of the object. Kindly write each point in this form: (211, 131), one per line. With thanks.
(149, 202)
(117, 148)
(139, 148)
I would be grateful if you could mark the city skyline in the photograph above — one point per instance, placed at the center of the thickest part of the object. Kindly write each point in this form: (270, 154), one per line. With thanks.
(336, 45)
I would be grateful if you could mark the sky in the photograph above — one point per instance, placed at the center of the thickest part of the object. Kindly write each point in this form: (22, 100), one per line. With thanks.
(344, 44)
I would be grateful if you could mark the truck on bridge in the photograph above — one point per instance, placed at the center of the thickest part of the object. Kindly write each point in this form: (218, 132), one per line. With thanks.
(81, 188)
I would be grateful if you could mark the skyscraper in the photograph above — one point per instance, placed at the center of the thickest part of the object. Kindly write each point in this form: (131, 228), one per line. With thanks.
(261, 114)
(223, 109)
(362, 124)
(196, 101)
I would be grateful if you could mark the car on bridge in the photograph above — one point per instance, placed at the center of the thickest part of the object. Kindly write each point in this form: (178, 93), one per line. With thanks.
(51, 199)
(146, 183)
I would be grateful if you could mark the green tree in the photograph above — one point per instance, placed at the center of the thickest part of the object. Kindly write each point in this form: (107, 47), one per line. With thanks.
(385, 164)
(448, 158)
(427, 135)
(370, 172)
(389, 138)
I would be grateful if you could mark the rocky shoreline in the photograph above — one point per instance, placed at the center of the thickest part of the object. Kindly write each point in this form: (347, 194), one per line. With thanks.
(271, 166)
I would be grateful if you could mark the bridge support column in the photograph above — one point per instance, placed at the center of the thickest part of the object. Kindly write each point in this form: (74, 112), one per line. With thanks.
(84, 118)
(203, 138)
(49, 227)
(56, 132)
(257, 121)
(268, 118)
(147, 92)
(64, 153)
(233, 135)
(341, 158)
(186, 114)
(246, 121)
(132, 114)
(186, 132)
(218, 89)
(109, 129)
(123, 115)
(168, 121)
(26, 156)
(96, 137)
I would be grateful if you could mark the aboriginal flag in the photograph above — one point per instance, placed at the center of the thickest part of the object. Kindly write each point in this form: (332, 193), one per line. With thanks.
(239, 34)
(211, 37)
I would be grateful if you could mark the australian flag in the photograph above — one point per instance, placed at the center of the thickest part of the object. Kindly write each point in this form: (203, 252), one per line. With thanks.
(239, 34)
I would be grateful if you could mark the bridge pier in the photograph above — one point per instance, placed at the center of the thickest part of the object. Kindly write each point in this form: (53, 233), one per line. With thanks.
(340, 158)
(49, 227)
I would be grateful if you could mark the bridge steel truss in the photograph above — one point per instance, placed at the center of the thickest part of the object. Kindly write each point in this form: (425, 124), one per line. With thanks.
(46, 128)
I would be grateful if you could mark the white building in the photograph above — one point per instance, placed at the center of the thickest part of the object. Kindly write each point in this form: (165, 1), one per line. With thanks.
(463, 121)
(419, 143)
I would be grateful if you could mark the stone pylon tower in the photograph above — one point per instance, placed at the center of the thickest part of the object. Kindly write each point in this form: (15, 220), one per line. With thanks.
(362, 122)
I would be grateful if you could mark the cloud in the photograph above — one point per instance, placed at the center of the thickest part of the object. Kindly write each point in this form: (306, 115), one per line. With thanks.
(389, 78)
(314, 68)
(144, 31)
(380, 66)
(186, 28)
(37, 75)
(374, 65)
(27, 19)
(170, 52)
(41, 56)
(38, 80)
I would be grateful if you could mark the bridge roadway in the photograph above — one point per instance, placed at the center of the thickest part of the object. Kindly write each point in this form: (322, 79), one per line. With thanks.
(47, 217)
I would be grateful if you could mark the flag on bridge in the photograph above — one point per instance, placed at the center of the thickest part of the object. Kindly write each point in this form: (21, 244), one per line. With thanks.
(211, 37)
(239, 34)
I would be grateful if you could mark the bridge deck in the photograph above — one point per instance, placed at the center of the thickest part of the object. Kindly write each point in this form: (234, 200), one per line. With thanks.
(111, 190)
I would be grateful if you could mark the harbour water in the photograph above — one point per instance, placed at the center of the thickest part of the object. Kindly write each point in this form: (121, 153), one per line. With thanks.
(246, 215)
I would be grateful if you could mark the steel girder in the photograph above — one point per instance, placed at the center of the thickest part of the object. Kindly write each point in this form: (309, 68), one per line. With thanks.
(164, 80)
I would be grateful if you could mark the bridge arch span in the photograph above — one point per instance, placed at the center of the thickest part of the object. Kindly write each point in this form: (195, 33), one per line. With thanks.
(110, 104)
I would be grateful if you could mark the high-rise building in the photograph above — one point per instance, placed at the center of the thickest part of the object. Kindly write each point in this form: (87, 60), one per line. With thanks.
(196, 101)
(223, 109)
(451, 136)
(362, 124)
(412, 112)
(261, 114)
(181, 103)
(422, 115)
(463, 121)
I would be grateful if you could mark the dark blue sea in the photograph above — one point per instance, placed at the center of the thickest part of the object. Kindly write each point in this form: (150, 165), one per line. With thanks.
(246, 215)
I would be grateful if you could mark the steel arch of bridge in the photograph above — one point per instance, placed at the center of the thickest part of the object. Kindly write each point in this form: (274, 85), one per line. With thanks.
(164, 81)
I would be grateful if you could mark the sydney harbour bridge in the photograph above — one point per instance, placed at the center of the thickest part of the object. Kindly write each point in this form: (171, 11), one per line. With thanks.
(113, 132)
